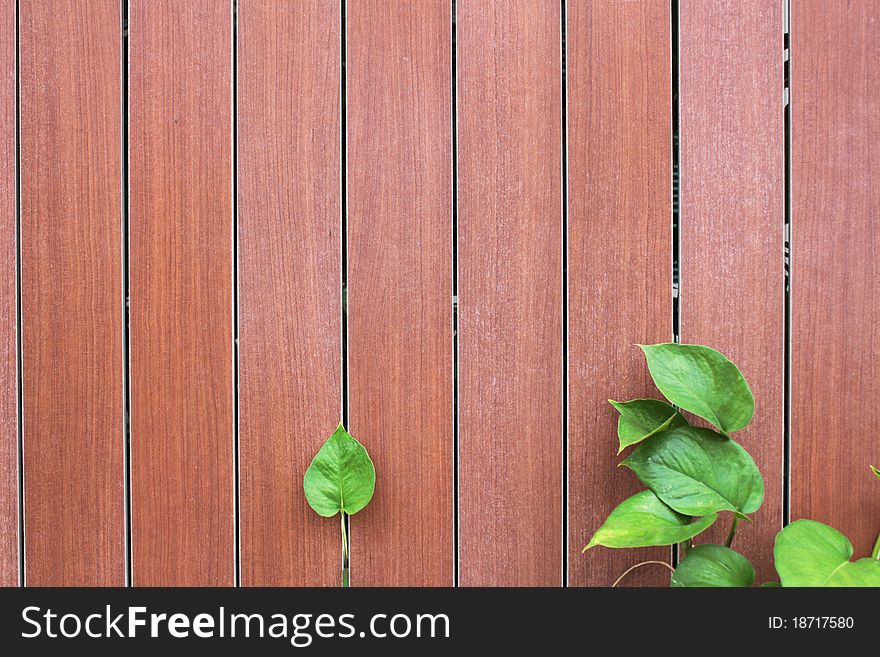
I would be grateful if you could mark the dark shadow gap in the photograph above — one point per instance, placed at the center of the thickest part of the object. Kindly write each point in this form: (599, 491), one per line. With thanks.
(235, 417)
(455, 446)
(343, 152)
(126, 338)
(18, 322)
(676, 182)
(564, 153)
(676, 191)
(787, 324)
(343, 144)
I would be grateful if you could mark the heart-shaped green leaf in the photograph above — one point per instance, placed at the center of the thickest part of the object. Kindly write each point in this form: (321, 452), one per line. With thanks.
(697, 471)
(643, 520)
(809, 553)
(341, 476)
(713, 566)
(702, 381)
(642, 418)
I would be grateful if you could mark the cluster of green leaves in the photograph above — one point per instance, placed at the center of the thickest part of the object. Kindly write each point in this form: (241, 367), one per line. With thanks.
(341, 479)
(694, 474)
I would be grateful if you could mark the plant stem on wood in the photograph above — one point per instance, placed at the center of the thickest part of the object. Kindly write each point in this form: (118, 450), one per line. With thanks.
(345, 581)
(685, 547)
(639, 565)
(732, 531)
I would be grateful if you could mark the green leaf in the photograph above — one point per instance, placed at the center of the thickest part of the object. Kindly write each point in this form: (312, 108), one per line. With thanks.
(697, 471)
(875, 471)
(642, 418)
(702, 381)
(713, 566)
(809, 553)
(643, 520)
(341, 476)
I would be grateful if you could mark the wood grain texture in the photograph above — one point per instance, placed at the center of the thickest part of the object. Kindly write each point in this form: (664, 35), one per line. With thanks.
(732, 220)
(289, 275)
(180, 153)
(399, 165)
(510, 292)
(835, 343)
(8, 310)
(72, 299)
(619, 256)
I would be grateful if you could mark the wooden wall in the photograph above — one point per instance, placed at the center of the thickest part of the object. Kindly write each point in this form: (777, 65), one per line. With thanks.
(224, 226)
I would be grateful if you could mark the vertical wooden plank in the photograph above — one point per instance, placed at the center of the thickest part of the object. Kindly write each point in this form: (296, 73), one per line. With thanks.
(72, 301)
(8, 312)
(835, 381)
(510, 292)
(619, 255)
(398, 80)
(180, 235)
(289, 275)
(732, 216)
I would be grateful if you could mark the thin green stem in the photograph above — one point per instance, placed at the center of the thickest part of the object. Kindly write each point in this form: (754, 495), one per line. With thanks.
(732, 533)
(345, 576)
(875, 553)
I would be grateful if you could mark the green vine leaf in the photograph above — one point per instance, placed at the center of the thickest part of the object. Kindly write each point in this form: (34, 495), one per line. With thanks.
(703, 381)
(875, 471)
(697, 472)
(643, 520)
(642, 418)
(341, 477)
(809, 553)
(713, 566)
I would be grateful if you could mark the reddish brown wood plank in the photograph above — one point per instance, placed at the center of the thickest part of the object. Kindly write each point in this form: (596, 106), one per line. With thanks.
(8, 277)
(180, 150)
(289, 274)
(510, 292)
(619, 262)
(835, 254)
(732, 216)
(72, 299)
(400, 286)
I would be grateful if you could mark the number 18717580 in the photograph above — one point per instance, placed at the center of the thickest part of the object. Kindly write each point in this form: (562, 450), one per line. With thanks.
(811, 622)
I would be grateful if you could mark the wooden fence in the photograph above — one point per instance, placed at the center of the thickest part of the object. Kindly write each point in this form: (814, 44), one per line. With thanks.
(223, 226)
